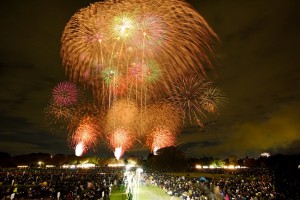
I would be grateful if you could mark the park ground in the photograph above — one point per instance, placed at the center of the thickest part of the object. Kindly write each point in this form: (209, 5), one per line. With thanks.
(144, 193)
(153, 192)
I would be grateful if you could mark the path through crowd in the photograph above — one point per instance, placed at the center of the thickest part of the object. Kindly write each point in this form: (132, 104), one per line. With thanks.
(144, 193)
(153, 193)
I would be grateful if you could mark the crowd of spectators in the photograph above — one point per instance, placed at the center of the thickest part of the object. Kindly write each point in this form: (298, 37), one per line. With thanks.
(58, 183)
(75, 184)
(242, 184)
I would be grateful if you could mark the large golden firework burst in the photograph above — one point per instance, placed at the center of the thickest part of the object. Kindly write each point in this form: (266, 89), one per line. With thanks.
(130, 54)
(102, 41)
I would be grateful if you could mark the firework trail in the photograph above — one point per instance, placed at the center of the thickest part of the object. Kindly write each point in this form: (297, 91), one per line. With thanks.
(120, 140)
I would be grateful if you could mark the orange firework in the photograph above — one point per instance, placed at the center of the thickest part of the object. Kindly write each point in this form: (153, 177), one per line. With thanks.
(160, 137)
(59, 112)
(123, 113)
(120, 140)
(120, 125)
(85, 135)
(160, 114)
(82, 111)
(57, 117)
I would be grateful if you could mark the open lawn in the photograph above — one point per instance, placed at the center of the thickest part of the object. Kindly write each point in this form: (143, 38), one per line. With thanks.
(144, 193)
(154, 193)
(116, 194)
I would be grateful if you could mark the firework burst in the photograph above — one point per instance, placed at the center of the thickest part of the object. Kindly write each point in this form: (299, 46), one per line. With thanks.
(57, 117)
(160, 114)
(130, 57)
(120, 140)
(123, 26)
(65, 94)
(147, 72)
(120, 125)
(123, 113)
(212, 99)
(150, 34)
(85, 135)
(86, 114)
(187, 95)
(115, 34)
(109, 74)
(160, 137)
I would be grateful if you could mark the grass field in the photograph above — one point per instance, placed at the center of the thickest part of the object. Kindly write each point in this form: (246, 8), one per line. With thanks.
(116, 194)
(154, 193)
(144, 193)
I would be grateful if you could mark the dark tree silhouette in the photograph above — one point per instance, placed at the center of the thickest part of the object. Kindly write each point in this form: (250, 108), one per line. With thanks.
(168, 159)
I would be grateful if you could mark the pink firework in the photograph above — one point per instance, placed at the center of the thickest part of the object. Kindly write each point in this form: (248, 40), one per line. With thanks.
(65, 94)
(120, 140)
(160, 137)
(151, 33)
(136, 72)
(85, 135)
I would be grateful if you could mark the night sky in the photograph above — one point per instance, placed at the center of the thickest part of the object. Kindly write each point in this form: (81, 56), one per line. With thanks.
(258, 71)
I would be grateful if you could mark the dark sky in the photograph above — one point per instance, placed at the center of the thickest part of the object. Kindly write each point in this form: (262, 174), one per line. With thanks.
(259, 72)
